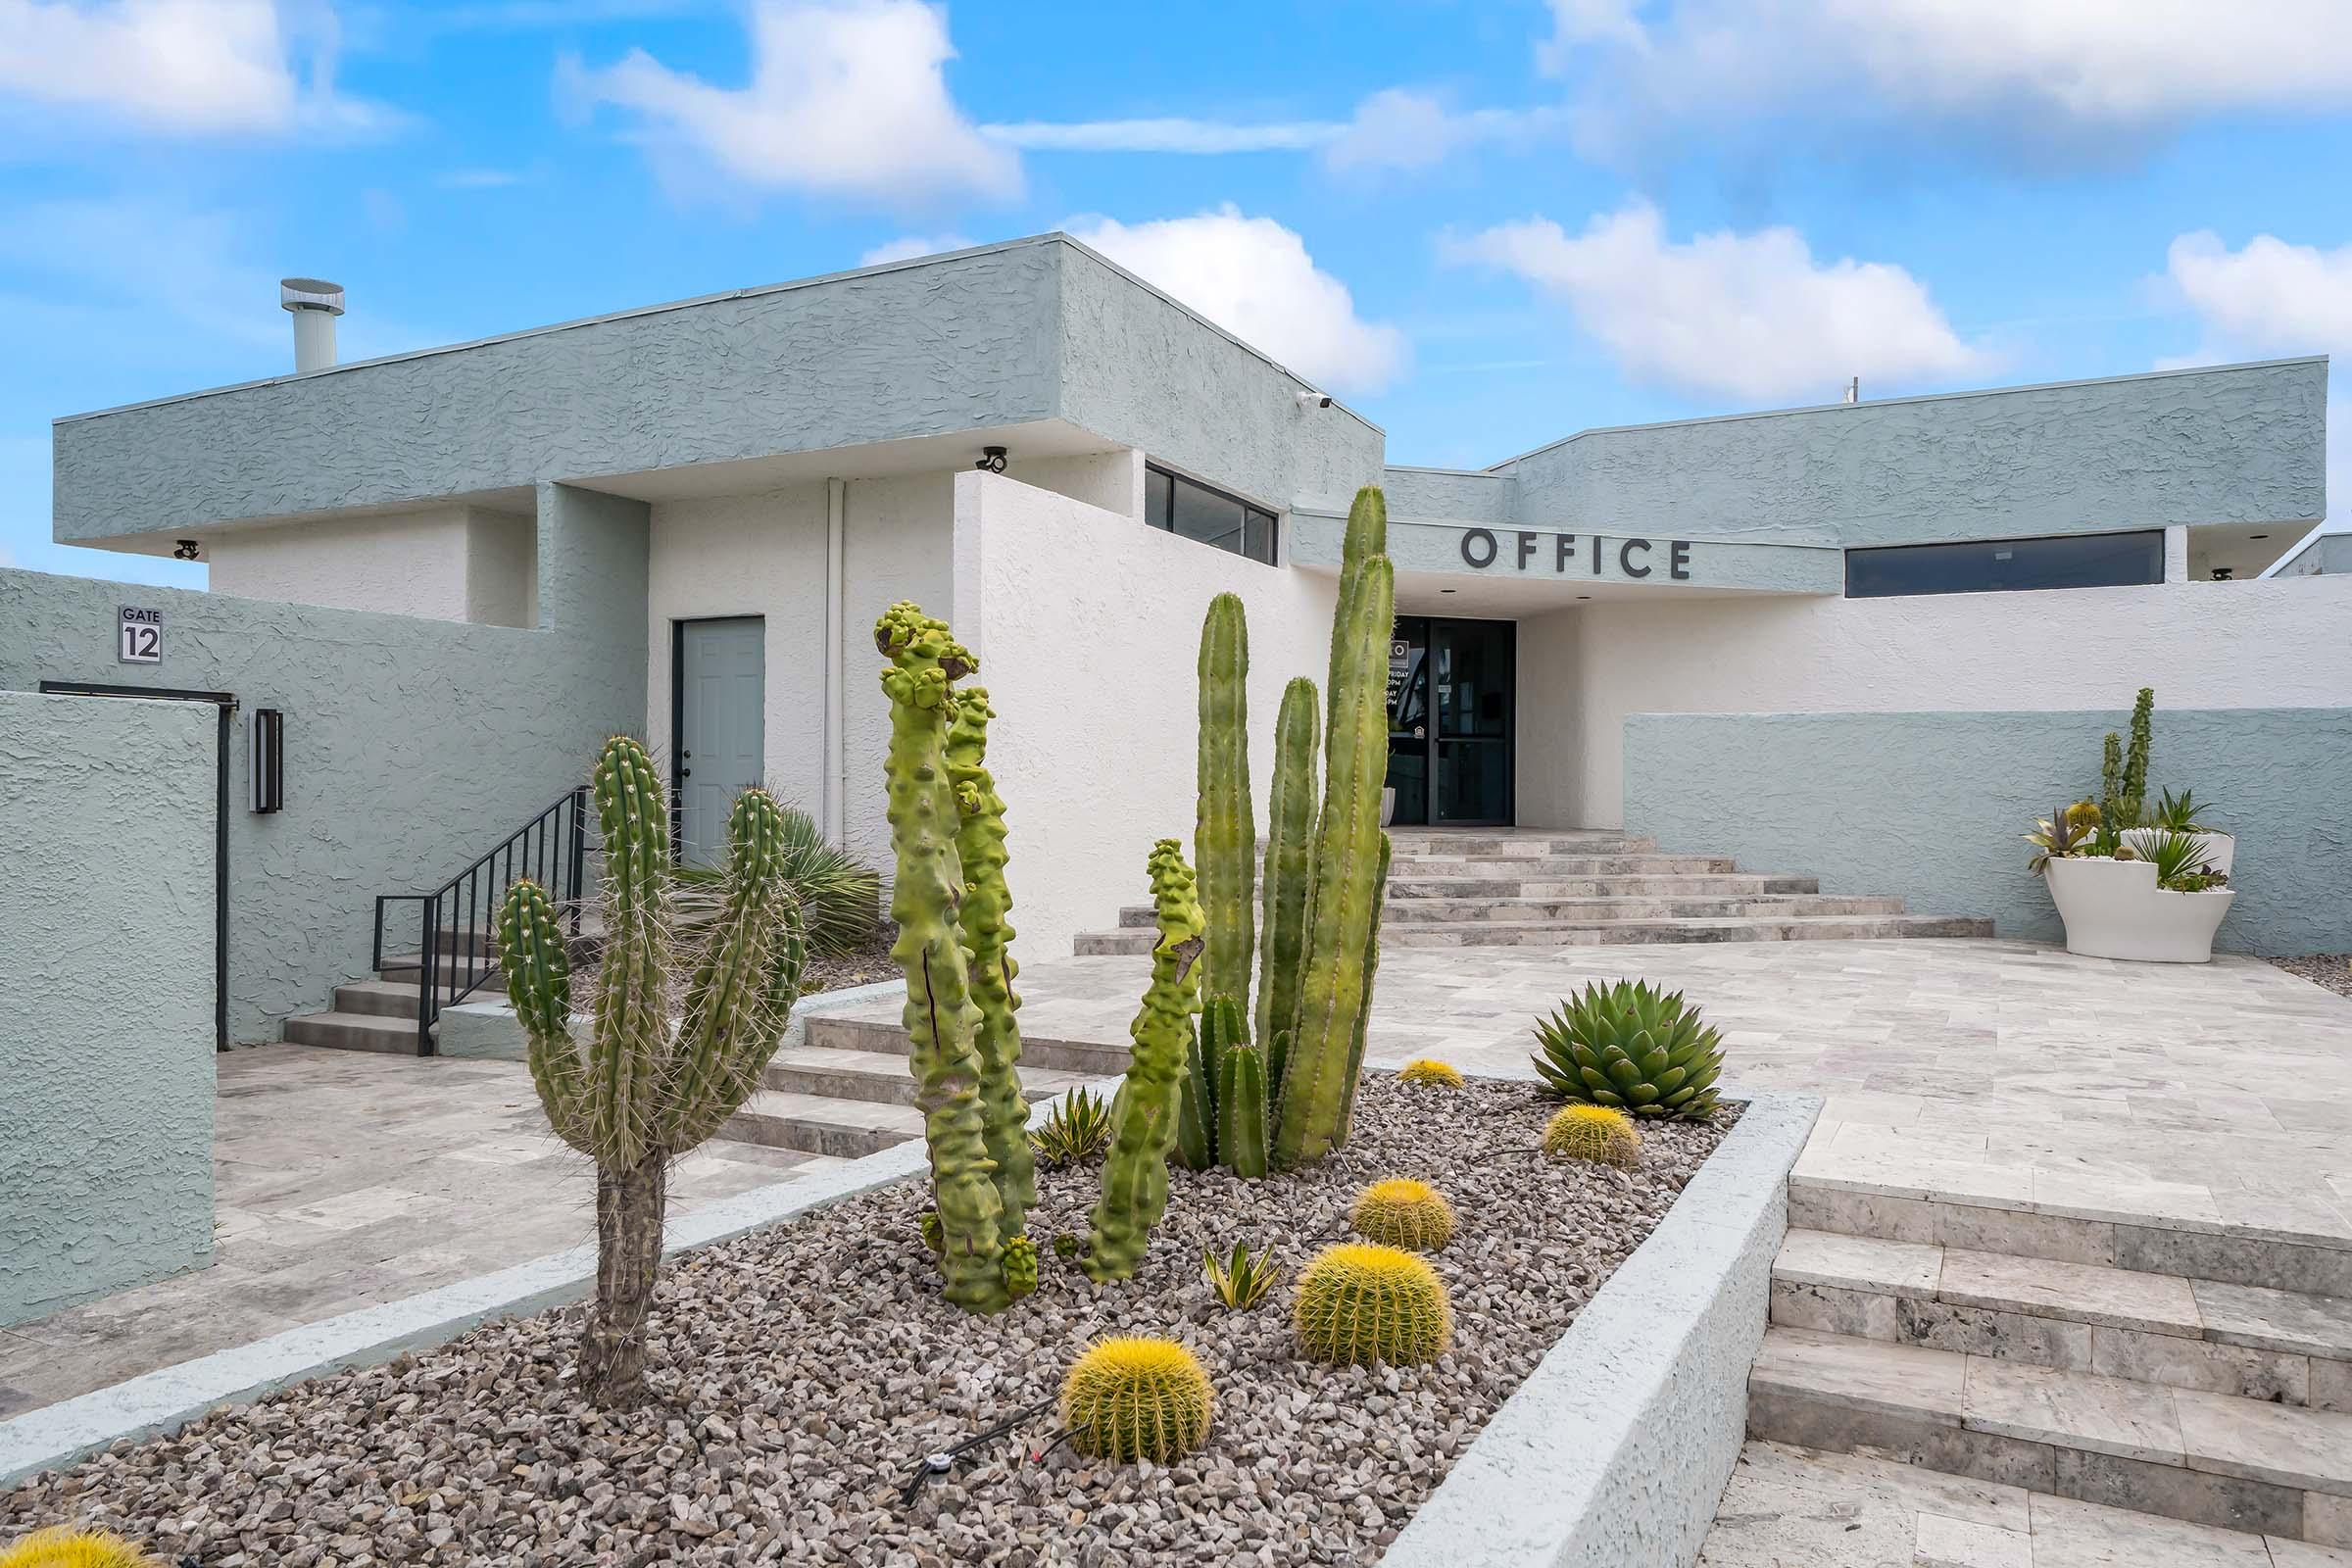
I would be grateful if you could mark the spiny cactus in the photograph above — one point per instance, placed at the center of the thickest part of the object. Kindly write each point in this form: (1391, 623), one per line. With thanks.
(1359, 1303)
(1135, 1175)
(1224, 832)
(2111, 781)
(1401, 1213)
(1243, 1124)
(941, 1018)
(1219, 1032)
(983, 919)
(1137, 1399)
(1631, 1047)
(1429, 1072)
(635, 1093)
(61, 1548)
(1290, 864)
(1343, 893)
(2135, 760)
(1596, 1133)
(1066, 1246)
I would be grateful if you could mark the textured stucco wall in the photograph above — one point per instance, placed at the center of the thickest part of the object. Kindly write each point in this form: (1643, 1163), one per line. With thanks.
(2278, 644)
(903, 351)
(1088, 630)
(452, 562)
(412, 745)
(106, 960)
(1447, 494)
(1570, 561)
(1930, 805)
(2236, 444)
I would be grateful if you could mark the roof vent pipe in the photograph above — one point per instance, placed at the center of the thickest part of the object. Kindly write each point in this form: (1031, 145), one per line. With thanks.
(315, 303)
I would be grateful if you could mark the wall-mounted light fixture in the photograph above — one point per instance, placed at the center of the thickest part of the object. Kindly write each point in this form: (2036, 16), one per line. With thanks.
(991, 459)
(269, 769)
(186, 550)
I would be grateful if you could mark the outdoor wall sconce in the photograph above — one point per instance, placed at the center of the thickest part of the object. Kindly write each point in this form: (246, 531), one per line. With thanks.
(991, 459)
(269, 759)
(186, 550)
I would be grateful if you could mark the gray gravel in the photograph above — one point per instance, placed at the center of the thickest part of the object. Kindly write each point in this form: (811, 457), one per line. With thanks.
(2331, 969)
(803, 1371)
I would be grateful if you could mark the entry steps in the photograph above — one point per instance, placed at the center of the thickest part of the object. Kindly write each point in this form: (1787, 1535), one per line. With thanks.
(1535, 887)
(2018, 1347)
(380, 1014)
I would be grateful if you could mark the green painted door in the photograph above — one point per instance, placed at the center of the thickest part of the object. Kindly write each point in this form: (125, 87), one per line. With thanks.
(721, 727)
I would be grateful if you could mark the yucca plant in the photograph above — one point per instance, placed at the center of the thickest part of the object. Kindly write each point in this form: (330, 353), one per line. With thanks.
(1633, 1048)
(1076, 1130)
(1240, 1281)
(840, 898)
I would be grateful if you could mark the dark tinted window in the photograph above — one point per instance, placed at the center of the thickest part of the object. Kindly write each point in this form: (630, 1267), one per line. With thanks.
(1208, 517)
(1995, 566)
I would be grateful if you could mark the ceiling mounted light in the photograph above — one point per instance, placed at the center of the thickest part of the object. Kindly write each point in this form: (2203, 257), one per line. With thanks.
(989, 461)
(186, 550)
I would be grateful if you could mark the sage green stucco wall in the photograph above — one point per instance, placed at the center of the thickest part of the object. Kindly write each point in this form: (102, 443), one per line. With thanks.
(106, 962)
(1930, 807)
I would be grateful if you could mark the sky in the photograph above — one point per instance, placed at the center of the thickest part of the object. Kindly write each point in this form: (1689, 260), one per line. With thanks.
(1485, 225)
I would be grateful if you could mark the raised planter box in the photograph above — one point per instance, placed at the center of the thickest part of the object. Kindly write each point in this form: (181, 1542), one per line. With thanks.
(2114, 909)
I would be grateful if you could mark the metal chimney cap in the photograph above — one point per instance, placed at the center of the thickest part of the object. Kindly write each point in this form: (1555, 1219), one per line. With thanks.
(310, 294)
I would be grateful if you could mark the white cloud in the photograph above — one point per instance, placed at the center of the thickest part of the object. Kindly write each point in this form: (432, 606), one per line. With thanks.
(909, 246)
(1401, 129)
(1747, 316)
(2094, 67)
(846, 98)
(206, 67)
(1255, 277)
(1165, 136)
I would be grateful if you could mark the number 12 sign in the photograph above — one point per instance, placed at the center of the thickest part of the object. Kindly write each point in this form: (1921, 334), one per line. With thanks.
(139, 637)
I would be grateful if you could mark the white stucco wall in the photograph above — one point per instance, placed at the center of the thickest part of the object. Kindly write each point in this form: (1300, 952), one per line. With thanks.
(2279, 643)
(449, 563)
(1088, 630)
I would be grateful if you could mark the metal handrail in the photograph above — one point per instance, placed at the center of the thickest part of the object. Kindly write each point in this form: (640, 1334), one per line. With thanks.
(551, 848)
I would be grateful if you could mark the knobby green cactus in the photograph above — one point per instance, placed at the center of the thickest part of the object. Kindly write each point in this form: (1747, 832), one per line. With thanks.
(941, 1018)
(1290, 861)
(635, 1093)
(1135, 1175)
(1225, 833)
(987, 931)
(1345, 891)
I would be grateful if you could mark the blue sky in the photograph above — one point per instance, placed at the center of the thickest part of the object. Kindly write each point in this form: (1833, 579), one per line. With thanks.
(1486, 226)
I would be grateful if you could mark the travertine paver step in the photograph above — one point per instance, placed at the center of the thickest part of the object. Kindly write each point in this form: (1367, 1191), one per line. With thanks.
(2211, 1458)
(818, 1124)
(396, 997)
(1086, 1060)
(1410, 845)
(1586, 910)
(1436, 867)
(354, 1031)
(1740, 884)
(1471, 934)
(880, 1077)
(2206, 1335)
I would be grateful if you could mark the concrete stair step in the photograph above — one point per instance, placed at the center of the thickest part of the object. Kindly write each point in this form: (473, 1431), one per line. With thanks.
(354, 1031)
(1562, 934)
(818, 1124)
(396, 997)
(1428, 867)
(2210, 1459)
(1587, 911)
(1690, 885)
(1086, 1060)
(879, 1077)
(1410, 845)
(2209, 1336)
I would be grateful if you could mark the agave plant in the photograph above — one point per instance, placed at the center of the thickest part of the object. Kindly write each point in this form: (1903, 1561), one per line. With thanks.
(1076, 1130)
(2067, 831)
(1240, 1281)
(1633, 1048)
(2180, 861)
(2179, 813)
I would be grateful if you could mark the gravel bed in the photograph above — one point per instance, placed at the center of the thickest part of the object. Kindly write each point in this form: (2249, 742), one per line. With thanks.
(2332, 970)
(870, 963)
(803, 1372)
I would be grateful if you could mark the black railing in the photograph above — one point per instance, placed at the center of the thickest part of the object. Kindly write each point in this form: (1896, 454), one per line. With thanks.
(457, 922)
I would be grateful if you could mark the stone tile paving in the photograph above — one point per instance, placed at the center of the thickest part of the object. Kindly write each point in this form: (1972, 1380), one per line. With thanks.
(341, 1179)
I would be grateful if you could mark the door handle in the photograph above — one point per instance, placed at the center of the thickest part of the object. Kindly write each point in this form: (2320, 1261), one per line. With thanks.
(685, 772)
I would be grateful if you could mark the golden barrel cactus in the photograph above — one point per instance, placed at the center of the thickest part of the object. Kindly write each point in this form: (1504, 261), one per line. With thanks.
(76, 1548)
(1408, 1214)
(1430, 1073)
(1596, 1133)
(1360, 1304)
(1135, 1399)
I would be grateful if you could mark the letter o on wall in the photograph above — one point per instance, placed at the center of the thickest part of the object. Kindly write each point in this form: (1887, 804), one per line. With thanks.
(1477, 536)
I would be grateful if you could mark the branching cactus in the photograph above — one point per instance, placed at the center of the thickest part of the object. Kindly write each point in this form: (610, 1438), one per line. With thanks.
(987, 927)
(1135, 1175)
(1290, 862)
(1345, 891)
(1225, 833)
(633, 1091)
(941, 1017)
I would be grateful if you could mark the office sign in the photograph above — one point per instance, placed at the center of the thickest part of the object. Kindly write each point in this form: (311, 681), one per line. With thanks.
(1567, 555)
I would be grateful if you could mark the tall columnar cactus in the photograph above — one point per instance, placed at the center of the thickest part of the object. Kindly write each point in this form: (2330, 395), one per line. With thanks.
(941, 1018)
(1224, 832)
(2111, 781)
(1135, 1174)
(1290, 862)
(2135, 760)
(1363, 1016)
(1220, 1031)
(1244, 1125)
(634, 1092)
(987, 931)
(1343, 892)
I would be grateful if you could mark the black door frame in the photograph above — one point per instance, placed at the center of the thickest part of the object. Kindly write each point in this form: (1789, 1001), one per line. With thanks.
(227, 704)
(1510, 735)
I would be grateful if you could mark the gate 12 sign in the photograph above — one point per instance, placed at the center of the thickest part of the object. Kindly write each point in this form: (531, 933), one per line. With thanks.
(139, 637)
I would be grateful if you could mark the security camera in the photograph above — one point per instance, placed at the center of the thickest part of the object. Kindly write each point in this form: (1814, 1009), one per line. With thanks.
(1313, 400)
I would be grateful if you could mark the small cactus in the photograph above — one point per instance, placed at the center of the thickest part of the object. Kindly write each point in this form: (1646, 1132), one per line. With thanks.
(1137, 1399)
(1360, 1304)
(1408, 1214)
(929, 1226)
(1429, 1072)
(1019, 1263)
(1598, 1133)
(1066, 1246)
(76, 1548)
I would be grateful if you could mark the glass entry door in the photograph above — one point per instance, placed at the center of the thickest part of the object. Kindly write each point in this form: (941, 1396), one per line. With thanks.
(1450, 708)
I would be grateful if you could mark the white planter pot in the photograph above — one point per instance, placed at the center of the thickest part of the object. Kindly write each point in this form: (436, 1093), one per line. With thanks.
(2221, 849)
(2114, 909)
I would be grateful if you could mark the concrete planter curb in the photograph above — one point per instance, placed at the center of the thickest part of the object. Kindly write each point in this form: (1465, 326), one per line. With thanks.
(1615, 1450)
